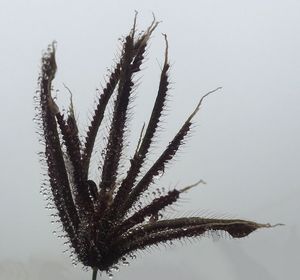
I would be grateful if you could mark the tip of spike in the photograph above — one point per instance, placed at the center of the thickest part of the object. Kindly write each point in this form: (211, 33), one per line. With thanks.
(193, 185)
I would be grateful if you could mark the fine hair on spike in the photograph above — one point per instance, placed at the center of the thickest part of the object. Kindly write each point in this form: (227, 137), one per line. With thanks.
(108, 222)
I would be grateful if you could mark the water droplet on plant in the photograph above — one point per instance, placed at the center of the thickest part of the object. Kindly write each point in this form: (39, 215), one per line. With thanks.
(110, 274)
(132, 256)
(115, 268)
(159, 174)
(124, 261)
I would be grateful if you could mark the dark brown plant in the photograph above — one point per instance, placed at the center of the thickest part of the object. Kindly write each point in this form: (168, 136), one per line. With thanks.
(105, 221)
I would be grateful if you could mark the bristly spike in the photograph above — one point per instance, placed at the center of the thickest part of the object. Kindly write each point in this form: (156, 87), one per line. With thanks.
(57, 173)
(71, 142)
(98, 117)
(167, 230)
(139, 157)
(132, 58)
(116, 135)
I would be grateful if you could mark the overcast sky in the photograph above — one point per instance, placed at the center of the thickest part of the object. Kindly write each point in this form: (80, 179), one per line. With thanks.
(245, 142)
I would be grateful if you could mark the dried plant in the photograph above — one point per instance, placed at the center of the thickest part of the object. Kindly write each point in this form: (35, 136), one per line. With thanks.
(104, 221)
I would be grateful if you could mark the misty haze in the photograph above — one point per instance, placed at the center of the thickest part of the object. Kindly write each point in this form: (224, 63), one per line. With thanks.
(244, 142)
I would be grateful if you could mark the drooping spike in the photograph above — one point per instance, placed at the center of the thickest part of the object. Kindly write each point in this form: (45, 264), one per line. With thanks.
(163, 231)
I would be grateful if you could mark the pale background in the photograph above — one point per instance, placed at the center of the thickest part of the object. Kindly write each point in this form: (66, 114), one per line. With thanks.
(245, 142)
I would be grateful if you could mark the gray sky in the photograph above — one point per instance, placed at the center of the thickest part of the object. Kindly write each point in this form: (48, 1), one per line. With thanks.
(245, 141)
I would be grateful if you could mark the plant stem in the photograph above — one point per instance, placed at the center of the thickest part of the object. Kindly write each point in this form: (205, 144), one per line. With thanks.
(95, 270)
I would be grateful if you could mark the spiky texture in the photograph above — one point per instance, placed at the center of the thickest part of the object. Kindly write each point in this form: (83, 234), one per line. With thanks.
(101, 219)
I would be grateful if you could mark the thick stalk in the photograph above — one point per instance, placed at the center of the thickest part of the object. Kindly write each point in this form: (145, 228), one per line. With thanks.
(95, 270)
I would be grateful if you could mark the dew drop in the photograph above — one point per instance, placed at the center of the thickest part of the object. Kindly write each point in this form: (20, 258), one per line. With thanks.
(124, 261)
(115, 268)
(159, 174)
(110, 274)
(132, 256)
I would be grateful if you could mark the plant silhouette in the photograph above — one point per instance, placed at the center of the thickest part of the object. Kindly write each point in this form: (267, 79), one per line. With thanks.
(105, 221)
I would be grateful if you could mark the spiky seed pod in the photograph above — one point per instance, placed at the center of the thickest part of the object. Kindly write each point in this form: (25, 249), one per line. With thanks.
(101, 219)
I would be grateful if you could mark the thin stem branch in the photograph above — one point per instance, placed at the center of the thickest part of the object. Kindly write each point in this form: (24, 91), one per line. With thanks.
(95, 270)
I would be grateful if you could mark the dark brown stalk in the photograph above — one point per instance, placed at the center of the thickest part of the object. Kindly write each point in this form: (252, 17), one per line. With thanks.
(95, 270)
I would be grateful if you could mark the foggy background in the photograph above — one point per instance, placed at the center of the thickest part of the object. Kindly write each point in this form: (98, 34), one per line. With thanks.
(245, 142)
